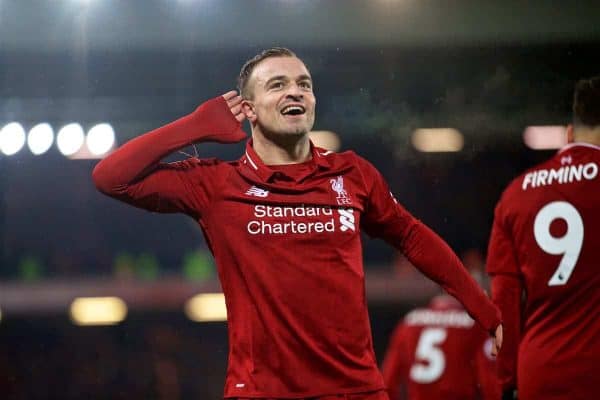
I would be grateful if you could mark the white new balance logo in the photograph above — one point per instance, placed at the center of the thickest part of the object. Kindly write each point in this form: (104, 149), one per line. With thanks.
(258, 192)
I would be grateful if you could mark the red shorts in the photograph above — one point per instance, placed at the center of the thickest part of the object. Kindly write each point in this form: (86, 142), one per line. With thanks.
(377, 395)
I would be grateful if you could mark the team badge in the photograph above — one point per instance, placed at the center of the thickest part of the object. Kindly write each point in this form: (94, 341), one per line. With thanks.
(338, 186)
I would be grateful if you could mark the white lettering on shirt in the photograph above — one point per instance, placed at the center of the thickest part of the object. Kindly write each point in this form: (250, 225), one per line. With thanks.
(297, 222)
(458, 319)
(562, 175)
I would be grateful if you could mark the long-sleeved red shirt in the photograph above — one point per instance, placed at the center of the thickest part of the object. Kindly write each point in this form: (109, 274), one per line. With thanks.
(545, 245)
(287, 245)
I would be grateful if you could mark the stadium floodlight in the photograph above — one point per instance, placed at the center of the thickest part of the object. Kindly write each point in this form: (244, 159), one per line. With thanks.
(206, 307)
(545, 137)
(100, 139)
(437, 140)
(70, 138)
(12, 138)
(40, 138)
(98, 310)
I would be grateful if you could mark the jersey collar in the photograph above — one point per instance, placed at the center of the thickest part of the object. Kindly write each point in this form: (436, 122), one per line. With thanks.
(577, 144)
(250, 160)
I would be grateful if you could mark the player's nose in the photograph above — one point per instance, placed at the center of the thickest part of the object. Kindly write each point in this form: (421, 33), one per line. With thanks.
(295, 91)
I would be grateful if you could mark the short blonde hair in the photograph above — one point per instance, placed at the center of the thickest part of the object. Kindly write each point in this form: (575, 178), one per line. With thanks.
(249, 66)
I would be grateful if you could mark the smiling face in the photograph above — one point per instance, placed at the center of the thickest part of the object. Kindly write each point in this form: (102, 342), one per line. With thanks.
(281, 100)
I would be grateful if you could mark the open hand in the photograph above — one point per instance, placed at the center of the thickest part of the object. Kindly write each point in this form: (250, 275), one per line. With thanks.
(234, 101)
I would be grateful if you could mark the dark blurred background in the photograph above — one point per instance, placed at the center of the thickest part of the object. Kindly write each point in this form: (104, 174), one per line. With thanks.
(382, 70)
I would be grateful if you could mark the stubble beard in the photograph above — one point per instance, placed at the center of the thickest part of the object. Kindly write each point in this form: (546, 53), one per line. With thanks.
(289, 132)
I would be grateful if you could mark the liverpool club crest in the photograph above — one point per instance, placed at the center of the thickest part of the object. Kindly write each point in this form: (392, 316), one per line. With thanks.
(338, 186)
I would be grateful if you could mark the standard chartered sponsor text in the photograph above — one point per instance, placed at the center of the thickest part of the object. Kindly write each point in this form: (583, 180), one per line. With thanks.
(263, 225)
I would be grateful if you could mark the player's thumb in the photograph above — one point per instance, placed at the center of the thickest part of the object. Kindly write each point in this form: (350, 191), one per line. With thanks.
(498, 338)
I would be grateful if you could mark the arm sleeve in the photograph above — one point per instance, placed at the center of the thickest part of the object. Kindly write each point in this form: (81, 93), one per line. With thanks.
(395, 363)
(134, 174)
(387, 219)
(507, 289)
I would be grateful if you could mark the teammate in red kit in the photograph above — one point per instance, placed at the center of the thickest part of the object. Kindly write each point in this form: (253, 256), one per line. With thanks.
(439, 352)
(545, 247)
(283, 223)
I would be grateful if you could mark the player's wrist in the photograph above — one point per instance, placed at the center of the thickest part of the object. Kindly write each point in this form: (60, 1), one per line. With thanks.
(490, 318)
(214, 122)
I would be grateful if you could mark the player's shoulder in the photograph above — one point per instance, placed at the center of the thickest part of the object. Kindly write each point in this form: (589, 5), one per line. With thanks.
(348, 162)
(570, 161)
(359, 160)
(347, 156)
(587, 150)
(351, 160)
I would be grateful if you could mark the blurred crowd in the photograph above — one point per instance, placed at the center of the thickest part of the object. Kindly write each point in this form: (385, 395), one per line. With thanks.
(163, 359)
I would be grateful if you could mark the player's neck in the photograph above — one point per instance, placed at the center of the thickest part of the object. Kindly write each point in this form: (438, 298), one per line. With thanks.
(281, 150)
(587, 135)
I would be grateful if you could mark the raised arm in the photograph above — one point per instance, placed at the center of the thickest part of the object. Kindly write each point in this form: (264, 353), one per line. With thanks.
(134, 174)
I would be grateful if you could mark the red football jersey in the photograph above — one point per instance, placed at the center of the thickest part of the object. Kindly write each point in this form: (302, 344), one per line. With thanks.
(287, 244)
(546, 240)
(439, 352)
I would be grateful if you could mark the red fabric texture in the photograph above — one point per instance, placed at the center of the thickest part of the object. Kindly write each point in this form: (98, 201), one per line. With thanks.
(554, 334)
(377, 395)
(288, 250)
(452, 352)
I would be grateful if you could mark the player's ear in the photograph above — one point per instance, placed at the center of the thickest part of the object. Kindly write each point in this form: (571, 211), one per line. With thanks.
(248, 110)
(570, 133)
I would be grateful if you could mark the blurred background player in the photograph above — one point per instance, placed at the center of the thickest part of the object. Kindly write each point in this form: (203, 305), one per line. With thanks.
(439, 352)
(543, 258)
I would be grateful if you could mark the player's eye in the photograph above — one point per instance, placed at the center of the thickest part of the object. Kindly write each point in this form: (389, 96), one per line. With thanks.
(276, 85)
(305, 85)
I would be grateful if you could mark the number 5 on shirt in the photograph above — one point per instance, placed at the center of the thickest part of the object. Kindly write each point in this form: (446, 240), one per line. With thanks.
(569, 245)
(429, 358)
